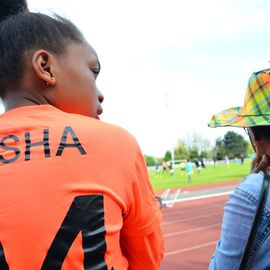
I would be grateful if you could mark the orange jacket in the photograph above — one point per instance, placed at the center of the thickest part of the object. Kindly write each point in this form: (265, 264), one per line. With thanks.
(75, 194)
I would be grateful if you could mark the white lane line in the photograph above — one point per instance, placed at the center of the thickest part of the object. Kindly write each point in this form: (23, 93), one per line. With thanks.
(200, 197)
(214, 205)
(189, 249)
(193, 230)
(193, 218)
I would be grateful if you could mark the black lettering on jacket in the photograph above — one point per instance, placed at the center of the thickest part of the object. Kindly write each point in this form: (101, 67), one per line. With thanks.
(63, 144)
(3, 262)
(45, 143)
(9, 148)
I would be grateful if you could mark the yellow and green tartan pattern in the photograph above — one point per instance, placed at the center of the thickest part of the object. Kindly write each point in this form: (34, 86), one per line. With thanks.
(256, 108)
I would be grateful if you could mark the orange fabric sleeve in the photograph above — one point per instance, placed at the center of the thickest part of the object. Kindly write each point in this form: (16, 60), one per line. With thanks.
(141, 237)
(144, 253)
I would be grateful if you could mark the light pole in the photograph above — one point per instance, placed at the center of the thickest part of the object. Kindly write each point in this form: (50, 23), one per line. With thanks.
(167, 105)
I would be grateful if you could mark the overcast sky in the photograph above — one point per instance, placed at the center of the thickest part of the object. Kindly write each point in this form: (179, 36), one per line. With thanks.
(169, 65)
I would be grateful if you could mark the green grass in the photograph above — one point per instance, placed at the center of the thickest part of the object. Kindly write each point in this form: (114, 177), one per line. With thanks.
(211, 174)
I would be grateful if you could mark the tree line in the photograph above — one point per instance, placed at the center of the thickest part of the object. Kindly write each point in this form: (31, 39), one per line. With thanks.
(193, 147)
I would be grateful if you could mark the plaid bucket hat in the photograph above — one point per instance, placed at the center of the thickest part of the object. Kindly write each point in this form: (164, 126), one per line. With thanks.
(256, 108)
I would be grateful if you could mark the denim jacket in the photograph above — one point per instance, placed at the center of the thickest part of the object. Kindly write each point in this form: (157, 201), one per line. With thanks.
(237, 220)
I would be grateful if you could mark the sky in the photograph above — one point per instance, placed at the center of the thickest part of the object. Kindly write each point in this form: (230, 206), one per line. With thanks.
(168, 65)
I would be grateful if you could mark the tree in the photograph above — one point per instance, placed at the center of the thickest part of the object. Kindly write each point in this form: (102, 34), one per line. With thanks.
(168, 156)
(193, 153)
(181, 151)
(206, 149)
(235, 145)
(150, 161)
(198, 146)
(219, 149)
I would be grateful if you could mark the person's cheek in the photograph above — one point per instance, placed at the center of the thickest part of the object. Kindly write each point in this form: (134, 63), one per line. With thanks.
(260, 149)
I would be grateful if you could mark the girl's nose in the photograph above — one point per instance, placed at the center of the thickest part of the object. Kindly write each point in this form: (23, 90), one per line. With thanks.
(100, 97)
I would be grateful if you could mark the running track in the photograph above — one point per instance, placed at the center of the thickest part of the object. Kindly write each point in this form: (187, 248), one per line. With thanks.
(191, 230)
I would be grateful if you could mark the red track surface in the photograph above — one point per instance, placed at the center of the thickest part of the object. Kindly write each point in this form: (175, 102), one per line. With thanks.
(191, 230)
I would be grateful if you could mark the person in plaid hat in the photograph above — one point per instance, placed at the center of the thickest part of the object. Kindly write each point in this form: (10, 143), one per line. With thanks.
(239, 212)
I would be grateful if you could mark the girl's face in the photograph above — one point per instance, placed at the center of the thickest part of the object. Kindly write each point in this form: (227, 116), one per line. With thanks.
(260, 146)
(75, 89)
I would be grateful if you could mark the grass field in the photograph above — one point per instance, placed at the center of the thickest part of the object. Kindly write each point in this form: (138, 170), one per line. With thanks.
(211, 174)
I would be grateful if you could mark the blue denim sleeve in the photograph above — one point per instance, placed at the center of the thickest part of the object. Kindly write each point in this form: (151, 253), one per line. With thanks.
(238, 216)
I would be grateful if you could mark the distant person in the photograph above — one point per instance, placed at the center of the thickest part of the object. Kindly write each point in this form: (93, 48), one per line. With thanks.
(157, 168)
(198, 166)
(203, 163)
(75, 191)
(242, 159)
(239, 212)
(164, 166)
(189, 170)
(171, 169)
(215, 161)
(182, 167)
(226, 161)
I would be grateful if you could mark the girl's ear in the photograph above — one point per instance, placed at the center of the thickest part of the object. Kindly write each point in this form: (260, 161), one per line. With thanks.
(42, 62)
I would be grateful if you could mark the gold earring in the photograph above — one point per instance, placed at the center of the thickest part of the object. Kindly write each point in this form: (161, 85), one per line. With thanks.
(47, 83)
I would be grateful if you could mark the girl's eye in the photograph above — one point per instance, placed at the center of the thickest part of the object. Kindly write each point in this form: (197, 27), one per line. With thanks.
(95, 72)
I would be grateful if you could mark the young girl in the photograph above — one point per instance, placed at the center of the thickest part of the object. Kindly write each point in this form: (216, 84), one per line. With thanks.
(235, 250)
(75, 192)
